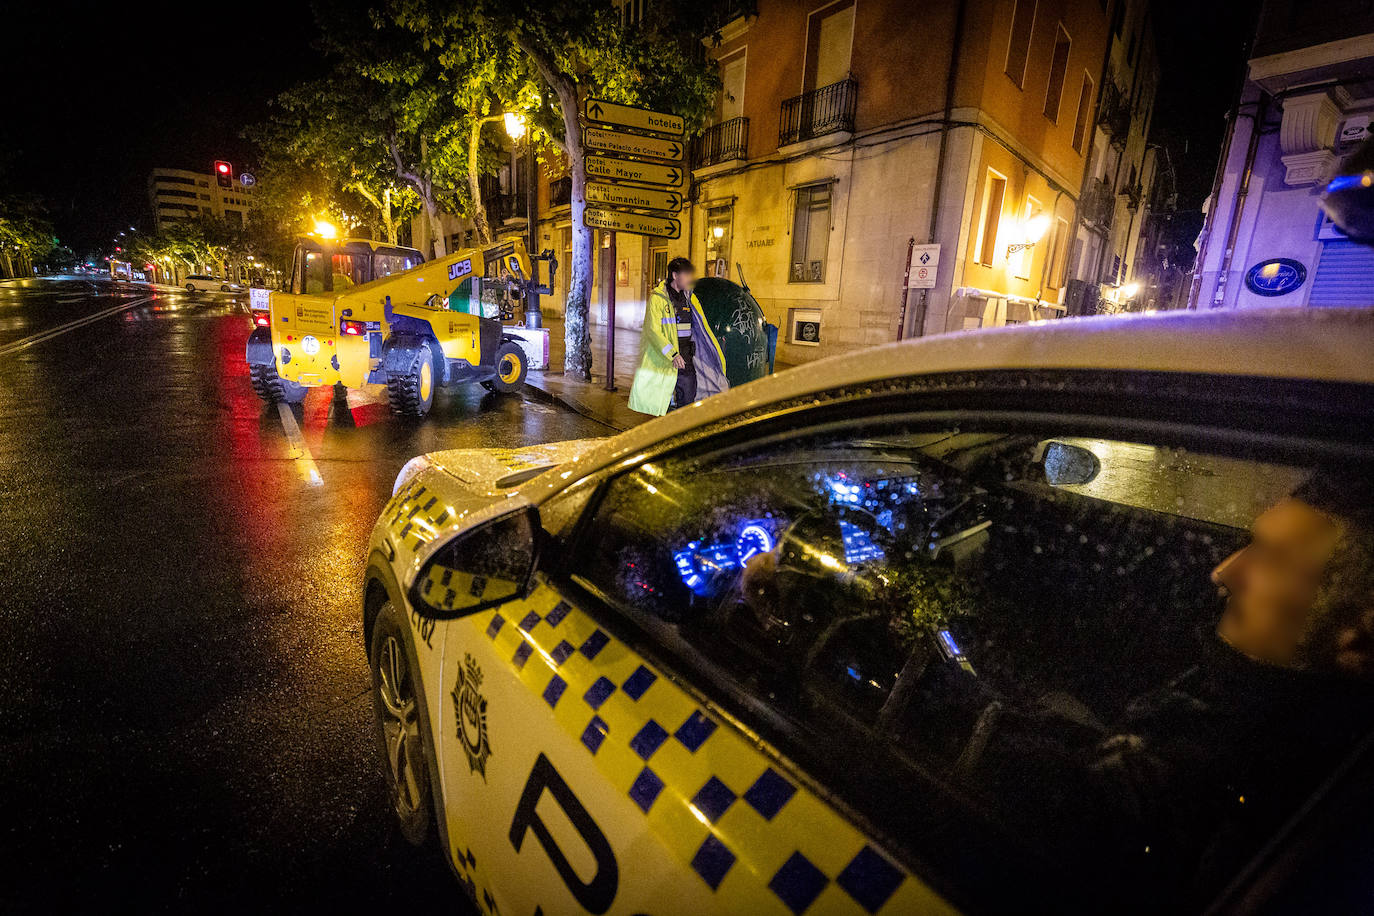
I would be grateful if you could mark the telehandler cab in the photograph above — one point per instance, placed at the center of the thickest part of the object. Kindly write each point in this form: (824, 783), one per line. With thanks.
(360, 312)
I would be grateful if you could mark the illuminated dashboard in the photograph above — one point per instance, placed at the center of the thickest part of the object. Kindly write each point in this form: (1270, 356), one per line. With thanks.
(698, 564)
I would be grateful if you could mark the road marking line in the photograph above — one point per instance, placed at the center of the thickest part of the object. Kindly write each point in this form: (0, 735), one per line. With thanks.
(299, 450)
(72, 325)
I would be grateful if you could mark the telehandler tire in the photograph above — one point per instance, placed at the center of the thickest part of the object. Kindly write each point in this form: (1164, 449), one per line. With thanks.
(511, 367)
(411, 390)
(274, 389)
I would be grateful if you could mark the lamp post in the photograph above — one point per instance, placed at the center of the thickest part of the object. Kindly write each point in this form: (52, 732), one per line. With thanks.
(516, 129)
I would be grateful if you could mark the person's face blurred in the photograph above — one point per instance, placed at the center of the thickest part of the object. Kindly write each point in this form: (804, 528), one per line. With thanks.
(685, 279)
(1272, 583)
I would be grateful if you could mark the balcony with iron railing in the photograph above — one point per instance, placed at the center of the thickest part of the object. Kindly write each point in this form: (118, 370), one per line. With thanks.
(1097, 206)
(721, 143)
(1114, 112)
(827, 110)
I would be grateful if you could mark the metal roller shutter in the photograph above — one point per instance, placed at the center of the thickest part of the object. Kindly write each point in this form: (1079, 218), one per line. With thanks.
(1345, 275)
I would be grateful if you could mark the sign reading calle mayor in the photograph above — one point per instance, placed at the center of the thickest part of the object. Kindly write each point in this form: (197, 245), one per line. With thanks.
(621, 195)
(619, 221)
(630, 170)
(613, 113)
(610, 141)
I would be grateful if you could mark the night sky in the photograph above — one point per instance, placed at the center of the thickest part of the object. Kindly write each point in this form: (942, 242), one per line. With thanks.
(94, 97)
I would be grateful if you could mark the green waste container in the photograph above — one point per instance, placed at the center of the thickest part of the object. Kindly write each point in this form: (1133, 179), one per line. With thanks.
(737, 321)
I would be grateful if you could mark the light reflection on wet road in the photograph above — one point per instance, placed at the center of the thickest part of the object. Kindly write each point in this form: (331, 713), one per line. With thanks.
(186, 720)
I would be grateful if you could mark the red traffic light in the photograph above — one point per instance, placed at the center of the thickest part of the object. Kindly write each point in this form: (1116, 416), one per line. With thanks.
(224, 173)
(222, 168)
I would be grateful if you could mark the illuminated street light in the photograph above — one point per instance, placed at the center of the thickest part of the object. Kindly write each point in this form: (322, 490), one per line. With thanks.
(325, 229)
(1032, 231)
(515, 125)
(718, 231)
(1128, 291)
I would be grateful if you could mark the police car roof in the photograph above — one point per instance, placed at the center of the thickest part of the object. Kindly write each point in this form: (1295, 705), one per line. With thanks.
(1333, 345)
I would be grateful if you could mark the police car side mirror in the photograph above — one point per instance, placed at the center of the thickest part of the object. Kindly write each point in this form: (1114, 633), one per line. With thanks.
(480, 568)
(1069, 465)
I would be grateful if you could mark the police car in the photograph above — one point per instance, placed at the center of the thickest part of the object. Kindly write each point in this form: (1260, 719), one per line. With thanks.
(904, 632)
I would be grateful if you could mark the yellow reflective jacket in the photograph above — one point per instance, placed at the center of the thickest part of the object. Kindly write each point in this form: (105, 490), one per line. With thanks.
(654, 379)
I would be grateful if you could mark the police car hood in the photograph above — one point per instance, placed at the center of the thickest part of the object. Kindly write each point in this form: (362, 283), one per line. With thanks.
(495, 469)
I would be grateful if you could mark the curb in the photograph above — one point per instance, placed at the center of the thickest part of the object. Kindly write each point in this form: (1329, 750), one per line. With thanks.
(543, 394)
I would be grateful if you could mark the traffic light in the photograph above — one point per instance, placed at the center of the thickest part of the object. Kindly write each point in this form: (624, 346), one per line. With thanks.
(224, 173)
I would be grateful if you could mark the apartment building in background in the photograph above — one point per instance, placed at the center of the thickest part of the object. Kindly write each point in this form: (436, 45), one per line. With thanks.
(1306, 103)
(1119, 182)
(178, 194)
(847, 131)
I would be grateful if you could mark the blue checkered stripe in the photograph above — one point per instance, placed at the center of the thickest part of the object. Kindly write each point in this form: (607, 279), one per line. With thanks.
(730, 813)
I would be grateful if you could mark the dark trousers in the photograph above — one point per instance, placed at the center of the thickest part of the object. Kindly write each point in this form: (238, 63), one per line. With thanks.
(685, 391)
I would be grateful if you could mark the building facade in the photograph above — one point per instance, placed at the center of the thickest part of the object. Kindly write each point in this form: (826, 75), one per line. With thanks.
(847, 132)
(1306, 103)
(178, 194)
(1115, 199)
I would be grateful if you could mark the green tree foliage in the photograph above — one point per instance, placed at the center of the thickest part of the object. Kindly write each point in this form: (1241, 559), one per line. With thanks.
(560, 53)
(26, 235)
(324, 152)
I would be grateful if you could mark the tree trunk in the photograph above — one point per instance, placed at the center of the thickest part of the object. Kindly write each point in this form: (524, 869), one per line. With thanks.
(479, 213)
(436, 226)
(577, 359)
(388, 220)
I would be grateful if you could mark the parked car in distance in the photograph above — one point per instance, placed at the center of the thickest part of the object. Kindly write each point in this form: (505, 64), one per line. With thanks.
(200, 283)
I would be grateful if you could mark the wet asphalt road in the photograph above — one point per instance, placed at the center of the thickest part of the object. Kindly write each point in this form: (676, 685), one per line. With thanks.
(184, 687)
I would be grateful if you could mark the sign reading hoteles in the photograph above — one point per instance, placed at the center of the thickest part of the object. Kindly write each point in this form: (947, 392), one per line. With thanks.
(614, 114)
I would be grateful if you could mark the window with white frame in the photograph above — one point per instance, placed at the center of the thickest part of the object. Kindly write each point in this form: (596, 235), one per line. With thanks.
(810, 234)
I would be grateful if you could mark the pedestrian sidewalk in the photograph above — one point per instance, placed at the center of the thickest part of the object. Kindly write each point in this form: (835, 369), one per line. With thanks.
(591, 399)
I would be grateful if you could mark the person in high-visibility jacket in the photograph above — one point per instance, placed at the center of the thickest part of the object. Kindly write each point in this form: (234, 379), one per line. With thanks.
(681, 360)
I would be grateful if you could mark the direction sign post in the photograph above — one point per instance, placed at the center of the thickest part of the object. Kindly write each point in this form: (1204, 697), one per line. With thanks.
(621, 221)
(613, 113)
(612, 141)
(631, 170)
(617, 195)
(635, 183)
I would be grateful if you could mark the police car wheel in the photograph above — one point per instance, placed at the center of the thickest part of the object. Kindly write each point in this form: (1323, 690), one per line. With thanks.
(511, 367)
(400, 726)
(411, 391)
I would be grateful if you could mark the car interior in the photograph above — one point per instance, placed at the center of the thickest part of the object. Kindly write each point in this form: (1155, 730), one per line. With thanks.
(925, 589)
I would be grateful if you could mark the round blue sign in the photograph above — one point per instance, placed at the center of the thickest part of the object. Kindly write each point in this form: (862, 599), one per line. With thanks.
(1275, 277)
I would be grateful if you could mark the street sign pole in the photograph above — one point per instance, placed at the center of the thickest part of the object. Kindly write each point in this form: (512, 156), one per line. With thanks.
(610, 320)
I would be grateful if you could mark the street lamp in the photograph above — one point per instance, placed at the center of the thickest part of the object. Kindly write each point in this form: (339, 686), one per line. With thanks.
(1032, 231)
(325, 229)
(1128, 291)
(515, 124)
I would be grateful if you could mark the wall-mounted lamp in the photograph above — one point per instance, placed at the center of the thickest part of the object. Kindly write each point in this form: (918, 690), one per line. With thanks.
(1032, 231)
(1128, 291)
